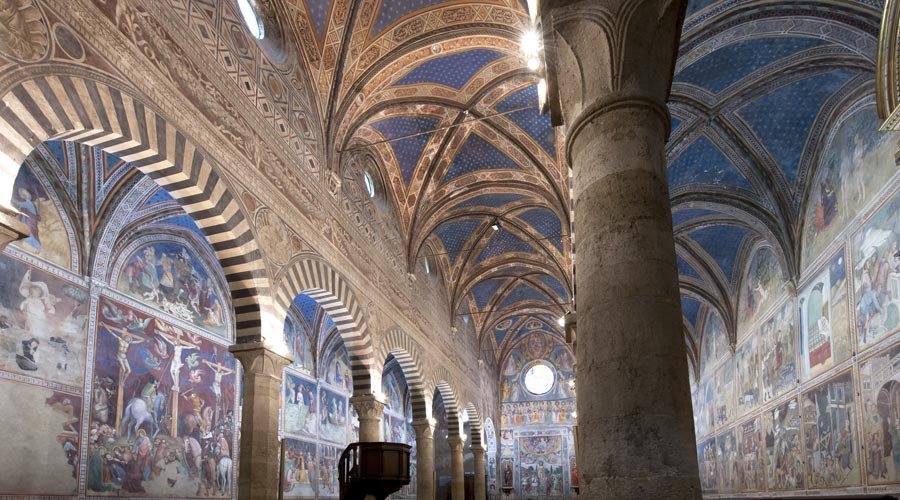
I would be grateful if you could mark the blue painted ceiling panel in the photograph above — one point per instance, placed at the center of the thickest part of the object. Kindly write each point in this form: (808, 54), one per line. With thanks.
(453, 71)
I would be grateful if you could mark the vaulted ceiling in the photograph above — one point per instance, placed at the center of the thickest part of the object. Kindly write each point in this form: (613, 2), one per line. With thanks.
(440, 94)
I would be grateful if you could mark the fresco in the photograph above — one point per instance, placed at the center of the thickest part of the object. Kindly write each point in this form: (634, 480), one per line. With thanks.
(724, 393)
(300, 405)
(299, 469)
(881, 416)
(857, 163)
(332, 409)
(298, 344)
(327, 482)
(44, 450)
(760, 288)
(776, 348)
(750, 453)
(876, 258)
(746, 387)
(704, 408)
(49, 238)
(714, 343)
(42, 324)
(541, 466)
(162, 415)
(537, 413)
(171, 278)
(830, 434)
(729, 467)
(335, 367)
(784, 456)
(709, 470)
(537, 345)
(824, 321)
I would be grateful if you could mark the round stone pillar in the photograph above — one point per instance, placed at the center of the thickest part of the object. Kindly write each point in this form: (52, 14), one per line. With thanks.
(610, 67)
(370, 410)
(478, 462)
(457, 473)
(424, 459)
(258, 467)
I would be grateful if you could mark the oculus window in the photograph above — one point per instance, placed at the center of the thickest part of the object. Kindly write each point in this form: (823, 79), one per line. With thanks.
(251, 18)
(539, 378)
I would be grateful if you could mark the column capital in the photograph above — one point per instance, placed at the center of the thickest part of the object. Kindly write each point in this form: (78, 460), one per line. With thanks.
(424, 428)
(456, 443)
(258, 359)
(368, 406)
(606, 55)
(477, 449)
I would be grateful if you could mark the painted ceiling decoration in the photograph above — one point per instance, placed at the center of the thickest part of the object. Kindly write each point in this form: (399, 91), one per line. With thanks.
(440, 95)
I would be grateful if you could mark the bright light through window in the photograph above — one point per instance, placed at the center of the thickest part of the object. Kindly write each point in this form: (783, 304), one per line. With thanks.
(539, 379)
(251, 19)
(370, 185)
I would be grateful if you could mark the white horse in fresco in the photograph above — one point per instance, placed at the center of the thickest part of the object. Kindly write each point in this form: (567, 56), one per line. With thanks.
(223, 474)
(137, 412)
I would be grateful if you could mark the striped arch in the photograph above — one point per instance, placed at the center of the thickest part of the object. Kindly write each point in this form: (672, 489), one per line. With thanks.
(451, 405)
(90, 112)
(474, 424)
(398, 344)
(317, 279)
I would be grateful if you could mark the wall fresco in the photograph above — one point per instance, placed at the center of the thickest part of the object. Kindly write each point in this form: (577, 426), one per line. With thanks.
(747, 377)
(164, 420)
(776, 348)
(880, 392)
(708, 465)
(824, 318)
(542, 463)
(829, 430)
(43, 324)
(760, 288)
(728, 464)
(859, 160)
(169, 277)
(784, 453)
(724, 393)
(751, 455)
(49, 238)
(44, 439)
(876, 261)
(714, 343)
(299, 469)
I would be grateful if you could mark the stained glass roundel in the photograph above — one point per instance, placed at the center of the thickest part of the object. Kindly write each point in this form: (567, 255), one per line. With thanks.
(539, 378)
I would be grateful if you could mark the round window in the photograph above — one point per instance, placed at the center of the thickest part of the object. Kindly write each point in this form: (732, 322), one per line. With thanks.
(251, 18)
(370, 184)
(539, 378)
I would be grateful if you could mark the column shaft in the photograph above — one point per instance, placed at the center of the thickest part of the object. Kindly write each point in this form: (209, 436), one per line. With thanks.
(458, 478)
(478, 461)
(258, 468)
(371, 412)
(424, 460)
(634, 408)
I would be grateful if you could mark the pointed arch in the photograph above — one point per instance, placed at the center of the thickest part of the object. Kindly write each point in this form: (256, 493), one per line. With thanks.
(313, 277)
(474, 424)
(398, 344)
(107, 116)
(442, 385)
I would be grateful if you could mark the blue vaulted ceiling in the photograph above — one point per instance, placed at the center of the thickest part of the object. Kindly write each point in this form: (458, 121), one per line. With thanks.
(452, 71)
(753, 91)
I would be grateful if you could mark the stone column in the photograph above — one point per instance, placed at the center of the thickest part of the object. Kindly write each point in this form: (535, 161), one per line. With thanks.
(457, 473)
(371, 411)
(610, 66)
(424, 459)
(258, 468)
(478, 460)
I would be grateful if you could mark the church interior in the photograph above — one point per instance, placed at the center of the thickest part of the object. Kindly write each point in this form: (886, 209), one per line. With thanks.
(239, 236)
